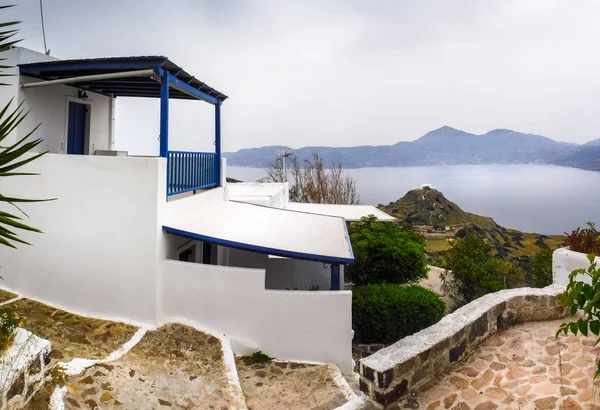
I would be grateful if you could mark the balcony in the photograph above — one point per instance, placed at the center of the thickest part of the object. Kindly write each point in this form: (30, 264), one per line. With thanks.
(189, 171)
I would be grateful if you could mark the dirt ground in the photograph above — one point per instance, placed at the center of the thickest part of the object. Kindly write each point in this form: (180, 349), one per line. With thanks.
(72, 335)
(173, 367)
(6, 295)
(290, 386)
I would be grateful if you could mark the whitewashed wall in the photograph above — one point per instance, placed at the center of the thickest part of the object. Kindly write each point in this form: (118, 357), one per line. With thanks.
(565, 261)
(241, 258)
(49, 104)
(98, 253)
(285, 273)
(309, 326)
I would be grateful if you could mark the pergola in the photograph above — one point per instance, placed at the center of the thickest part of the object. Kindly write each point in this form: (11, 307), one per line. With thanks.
(150, 77)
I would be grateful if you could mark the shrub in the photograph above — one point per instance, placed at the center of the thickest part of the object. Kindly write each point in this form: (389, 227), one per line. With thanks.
(541, 268)
(585, 240)
(385, 252)
(9, 322)
(475, 272)
(256, 358)
(385, 313)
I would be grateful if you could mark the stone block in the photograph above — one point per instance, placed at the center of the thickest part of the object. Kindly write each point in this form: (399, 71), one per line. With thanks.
(506, 319)
(364, 386)
(456, 352)
(17, 387)
(478, 328)
(368, 373)
(526, 314)
(392, 396)
(385, 379)
(516, 302)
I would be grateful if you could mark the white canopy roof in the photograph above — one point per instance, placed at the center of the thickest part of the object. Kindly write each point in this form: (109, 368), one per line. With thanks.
(348, 212)
(274, 231)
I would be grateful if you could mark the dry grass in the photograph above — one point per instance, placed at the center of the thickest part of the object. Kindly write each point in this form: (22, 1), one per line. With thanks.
(72, 335)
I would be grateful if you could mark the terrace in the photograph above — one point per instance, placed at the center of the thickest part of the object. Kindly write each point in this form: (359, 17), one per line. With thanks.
(141, 77)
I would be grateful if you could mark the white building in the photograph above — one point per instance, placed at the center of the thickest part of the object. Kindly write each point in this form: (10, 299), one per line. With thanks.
(157, 239)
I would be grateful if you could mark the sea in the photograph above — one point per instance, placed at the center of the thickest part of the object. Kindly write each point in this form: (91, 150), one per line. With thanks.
(531, 198)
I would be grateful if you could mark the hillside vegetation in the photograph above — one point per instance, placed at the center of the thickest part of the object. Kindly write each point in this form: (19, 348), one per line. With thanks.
(441, 221)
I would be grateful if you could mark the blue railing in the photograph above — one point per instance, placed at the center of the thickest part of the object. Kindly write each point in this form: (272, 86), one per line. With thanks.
(187, 171)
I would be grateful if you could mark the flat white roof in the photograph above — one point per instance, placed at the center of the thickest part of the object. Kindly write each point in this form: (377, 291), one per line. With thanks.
(256, 228)
(348, 212)
(253, 189)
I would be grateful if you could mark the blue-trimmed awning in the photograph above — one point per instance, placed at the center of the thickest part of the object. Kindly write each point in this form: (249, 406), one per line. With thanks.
(255, 228)
(134, 86)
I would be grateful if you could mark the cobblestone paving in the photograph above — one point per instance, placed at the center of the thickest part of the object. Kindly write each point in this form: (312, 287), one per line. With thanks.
(173, 367)
(524, 367)
(290, 386)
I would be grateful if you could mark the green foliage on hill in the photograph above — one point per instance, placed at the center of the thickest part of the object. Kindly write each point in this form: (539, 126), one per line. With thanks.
(428, 211)
(385, 252)
(385, 313)
(475, 271)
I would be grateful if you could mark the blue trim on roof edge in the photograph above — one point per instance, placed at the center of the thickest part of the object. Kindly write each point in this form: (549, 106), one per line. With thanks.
(260, 249)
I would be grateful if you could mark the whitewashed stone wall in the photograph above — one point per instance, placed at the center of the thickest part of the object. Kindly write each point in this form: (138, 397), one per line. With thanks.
(565, 261)
(23, 368)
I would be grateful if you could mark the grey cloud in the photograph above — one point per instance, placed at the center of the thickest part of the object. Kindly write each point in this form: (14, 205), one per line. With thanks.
(346, 72)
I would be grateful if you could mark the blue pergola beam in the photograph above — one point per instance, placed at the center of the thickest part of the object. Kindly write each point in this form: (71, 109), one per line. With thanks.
(164, 114)
(186, 88)
(335, 277)
(218, 140)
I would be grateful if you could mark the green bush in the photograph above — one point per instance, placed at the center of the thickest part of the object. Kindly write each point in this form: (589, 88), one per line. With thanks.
(385, 313)
(9, 322)
(385, 252)
(475, 272)
(541, 268)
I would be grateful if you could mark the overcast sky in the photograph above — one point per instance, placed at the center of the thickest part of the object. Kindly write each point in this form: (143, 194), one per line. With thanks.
(344, 72)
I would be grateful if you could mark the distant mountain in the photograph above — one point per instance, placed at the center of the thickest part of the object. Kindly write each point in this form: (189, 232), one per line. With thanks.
(593, 143)
(444, 146)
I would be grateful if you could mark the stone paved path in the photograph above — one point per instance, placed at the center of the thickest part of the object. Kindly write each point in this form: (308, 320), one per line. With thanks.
(289, 386)
(173, 367)
(520, 368)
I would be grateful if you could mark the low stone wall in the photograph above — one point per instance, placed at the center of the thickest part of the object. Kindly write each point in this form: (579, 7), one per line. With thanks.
(414, 363)
(23, 368)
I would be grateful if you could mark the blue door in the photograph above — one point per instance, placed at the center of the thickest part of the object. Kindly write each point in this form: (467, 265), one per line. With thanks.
(76, 131)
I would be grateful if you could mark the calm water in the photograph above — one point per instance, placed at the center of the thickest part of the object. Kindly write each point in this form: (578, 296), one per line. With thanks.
(530, 198)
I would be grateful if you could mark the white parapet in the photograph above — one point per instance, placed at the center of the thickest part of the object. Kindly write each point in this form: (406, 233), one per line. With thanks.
(565, 261)
(22, 369)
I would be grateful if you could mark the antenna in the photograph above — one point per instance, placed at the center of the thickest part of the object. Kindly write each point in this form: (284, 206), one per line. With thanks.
(43, 29)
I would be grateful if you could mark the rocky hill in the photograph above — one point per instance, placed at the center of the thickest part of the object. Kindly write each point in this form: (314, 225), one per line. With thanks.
(443, 146)
(441, 221)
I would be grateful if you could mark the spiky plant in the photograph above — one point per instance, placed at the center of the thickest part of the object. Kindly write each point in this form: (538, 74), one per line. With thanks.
(14, 156)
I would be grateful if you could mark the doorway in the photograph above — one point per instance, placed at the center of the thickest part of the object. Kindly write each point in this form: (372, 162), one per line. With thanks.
(77, 128)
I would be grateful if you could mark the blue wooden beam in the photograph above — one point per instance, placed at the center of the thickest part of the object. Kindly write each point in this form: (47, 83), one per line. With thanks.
(164, 115)
(335, 277)
(218, 140)
(186, 88)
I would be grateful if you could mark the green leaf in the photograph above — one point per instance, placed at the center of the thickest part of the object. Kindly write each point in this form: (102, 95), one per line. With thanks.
(573, 310)
(595, 327)
(573, 327)
(583, 327)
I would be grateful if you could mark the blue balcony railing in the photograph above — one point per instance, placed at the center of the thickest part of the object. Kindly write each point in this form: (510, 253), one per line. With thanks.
(187, 171)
